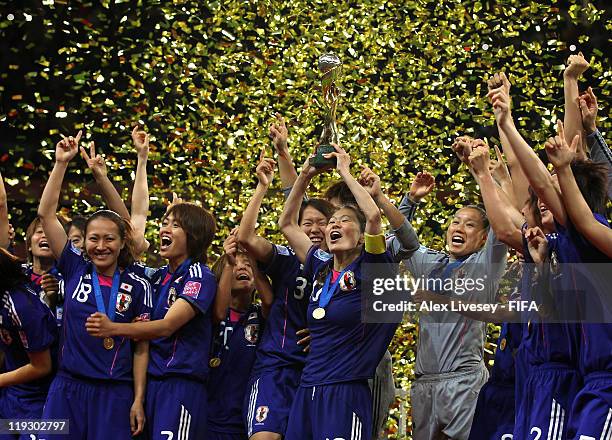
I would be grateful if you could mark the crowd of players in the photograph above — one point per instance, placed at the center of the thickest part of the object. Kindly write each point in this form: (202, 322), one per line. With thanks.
(269, 342)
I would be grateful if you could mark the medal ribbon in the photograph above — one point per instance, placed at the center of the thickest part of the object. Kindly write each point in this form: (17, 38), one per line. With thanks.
(327, 292)
(114, 294)
(163, 289)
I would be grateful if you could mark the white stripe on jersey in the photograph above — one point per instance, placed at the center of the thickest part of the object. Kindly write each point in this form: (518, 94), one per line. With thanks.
(148, 300)
(557, 419)
(10, 305)
(252, 402)
(184, 424)
(356, 428)
(606, 434)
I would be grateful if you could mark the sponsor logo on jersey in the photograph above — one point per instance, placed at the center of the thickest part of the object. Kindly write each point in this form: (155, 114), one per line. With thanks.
(282, 250)
(261, 414)
(192, 289)
(251, 333)
(123, 302)
(348, 282)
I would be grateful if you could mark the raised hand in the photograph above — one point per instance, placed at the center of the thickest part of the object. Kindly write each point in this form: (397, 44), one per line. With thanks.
(343, 160)
(588, 110)
(370, 181)
(230, 247)
(422, 185)
(499, 80)
(141, 142)
(265, 169)
(309, 171)
(462, 146)
(479, 158)
(95, 162)
(537, 244)
(500, 99)
(67, 148)
(559, 152)
(498, 168)
(278, 133)
(576, 66)
(175, 201)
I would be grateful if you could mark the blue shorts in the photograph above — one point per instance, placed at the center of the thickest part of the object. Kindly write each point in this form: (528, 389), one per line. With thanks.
(175, 408)
(342, 410)
(543, 409)
(13, 406)
(214, 435)
(94, 409)
(591, 415)
(268, 400)
(494, 416)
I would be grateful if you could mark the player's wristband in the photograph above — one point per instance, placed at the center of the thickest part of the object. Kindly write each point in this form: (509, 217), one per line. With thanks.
(375, 244)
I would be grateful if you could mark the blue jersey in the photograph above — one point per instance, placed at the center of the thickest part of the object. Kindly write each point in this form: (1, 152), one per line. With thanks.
(26, 326)
(278, 347)
(343, 348)
(593, 282)
(186, 352)
(235, 345)
(503, 370)
(82, 355)
(36, 284)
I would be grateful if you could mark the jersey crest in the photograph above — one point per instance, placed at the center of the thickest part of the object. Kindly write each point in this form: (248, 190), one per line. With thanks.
(251, 333)
(123, 302)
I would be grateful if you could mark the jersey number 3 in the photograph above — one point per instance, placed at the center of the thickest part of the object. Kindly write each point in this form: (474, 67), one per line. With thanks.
(300, 286)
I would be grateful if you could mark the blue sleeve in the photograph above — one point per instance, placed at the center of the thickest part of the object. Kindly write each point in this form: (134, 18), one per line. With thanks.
(578, 239)
(282, 263)
(316, 258)
(199, 287)
(71, 260)
(143, 301)
(37, 325)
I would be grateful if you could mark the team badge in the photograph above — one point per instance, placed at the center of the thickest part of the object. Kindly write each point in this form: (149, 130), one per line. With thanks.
(251, 333)
(261, 414)
(502, 344)
(123, 302)
(192, 289)
(171, 296)
(348, 282)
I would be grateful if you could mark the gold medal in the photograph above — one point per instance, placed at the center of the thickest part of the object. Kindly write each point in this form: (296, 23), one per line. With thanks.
(318, 313)
(108, 343)
(502, 344)
(214, 362)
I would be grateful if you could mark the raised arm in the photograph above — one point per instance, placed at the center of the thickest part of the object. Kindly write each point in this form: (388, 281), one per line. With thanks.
(520, 185)
(279, 135)
(140, 192)
(264, 290)
(223, 298)
(363, 199)
(4, 221)
(65, 150)
(402, 229)
(561, 156)
(256, 246)
(97, 165)
(502, 224)
(572, 120)
(538, 176)
(288, 221)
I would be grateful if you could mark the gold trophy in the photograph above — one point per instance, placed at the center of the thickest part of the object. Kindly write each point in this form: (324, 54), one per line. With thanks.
(330, 67)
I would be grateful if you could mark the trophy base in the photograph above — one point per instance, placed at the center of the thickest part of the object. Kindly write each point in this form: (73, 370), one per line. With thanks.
(318, 161)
